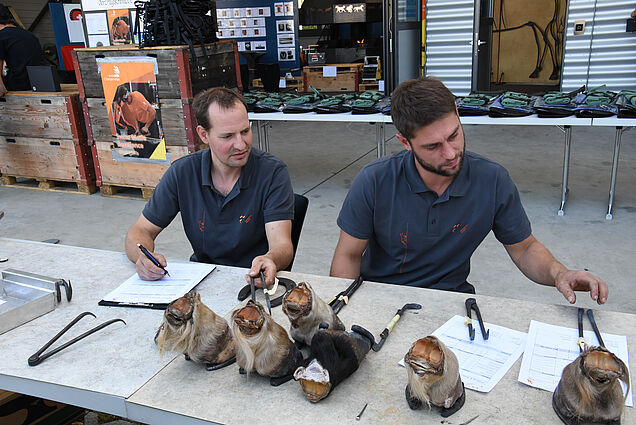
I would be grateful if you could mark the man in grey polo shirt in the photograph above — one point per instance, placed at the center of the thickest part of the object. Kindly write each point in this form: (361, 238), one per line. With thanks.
(236, 202)
(416, 217)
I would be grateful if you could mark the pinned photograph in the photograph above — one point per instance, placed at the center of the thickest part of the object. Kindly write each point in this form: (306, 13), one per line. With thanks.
(286, 55)
(285, 26)
(132, 102)
(286, 40)
(279, 9)
(289, 8)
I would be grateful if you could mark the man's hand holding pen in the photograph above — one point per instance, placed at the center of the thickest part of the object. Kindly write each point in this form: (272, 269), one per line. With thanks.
(147, 269)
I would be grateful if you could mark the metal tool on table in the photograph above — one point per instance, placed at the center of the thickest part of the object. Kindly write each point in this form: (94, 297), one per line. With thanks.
(389, 327)
(39, 357)
(471, 304)
(342, 298)
(250, 289)
(581, 341)
(25, 296)
(361, 412)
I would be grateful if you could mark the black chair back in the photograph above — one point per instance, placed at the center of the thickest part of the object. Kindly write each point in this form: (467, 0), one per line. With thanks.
(300, 210)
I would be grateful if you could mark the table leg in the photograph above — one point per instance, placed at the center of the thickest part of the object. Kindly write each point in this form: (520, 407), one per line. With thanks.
(256, 125)
(566, 168)
(266, 135)
(617, 148)
(380, 137)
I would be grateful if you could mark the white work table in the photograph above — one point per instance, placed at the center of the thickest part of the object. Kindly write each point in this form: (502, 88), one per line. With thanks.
(119, 370)
(102, 370)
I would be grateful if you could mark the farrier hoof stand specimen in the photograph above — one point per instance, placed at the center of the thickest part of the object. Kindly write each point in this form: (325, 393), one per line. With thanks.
(433, 377)
(590, 391)
(192, 328)
(262, 345)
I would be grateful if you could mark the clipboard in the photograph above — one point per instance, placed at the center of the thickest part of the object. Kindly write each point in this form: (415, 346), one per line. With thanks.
(138, 293)
(154, 306)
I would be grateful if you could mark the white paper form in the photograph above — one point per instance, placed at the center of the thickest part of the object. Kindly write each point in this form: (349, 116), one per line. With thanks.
(183, 277)
(550, 348)
(482, 363)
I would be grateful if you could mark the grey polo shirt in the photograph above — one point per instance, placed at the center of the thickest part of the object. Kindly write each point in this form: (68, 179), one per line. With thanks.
(228, 229)
(419, 239)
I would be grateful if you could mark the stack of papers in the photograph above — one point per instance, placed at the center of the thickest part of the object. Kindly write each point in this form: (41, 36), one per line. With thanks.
(159, 293)
(549, 349)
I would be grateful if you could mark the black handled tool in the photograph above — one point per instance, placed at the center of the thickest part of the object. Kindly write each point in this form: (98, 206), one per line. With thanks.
(342, 298)
(471, 304)
(581, 340)
(250, 289)
(385, 333)
(38, 357)
(590, 315)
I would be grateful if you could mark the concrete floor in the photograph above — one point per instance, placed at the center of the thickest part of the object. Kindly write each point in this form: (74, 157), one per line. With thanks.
(324, 158)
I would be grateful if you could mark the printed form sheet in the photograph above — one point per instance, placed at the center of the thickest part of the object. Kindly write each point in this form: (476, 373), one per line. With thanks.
(482, 363)
(550, 348)
(183, 277)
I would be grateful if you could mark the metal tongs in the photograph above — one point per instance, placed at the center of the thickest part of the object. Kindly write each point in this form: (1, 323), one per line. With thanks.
(581, 341)
(471, 304)
(38, 357)
(253, 291)
(342, 298)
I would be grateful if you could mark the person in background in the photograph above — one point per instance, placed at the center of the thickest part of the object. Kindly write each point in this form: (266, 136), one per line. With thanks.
(416, 217)
(18, 49)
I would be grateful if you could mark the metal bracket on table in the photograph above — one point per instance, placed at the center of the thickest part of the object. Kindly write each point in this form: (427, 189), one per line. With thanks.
(566, 167)
(25, 296)
(617, 148)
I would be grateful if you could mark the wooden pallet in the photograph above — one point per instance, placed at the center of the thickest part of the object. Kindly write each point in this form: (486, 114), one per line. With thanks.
(369, 86)
(126, 192)
(39, 183)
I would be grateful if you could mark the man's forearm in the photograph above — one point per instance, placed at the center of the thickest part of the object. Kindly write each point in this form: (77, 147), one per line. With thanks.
(538, 264)
(133, 237)
(281, 256)
(345, 266)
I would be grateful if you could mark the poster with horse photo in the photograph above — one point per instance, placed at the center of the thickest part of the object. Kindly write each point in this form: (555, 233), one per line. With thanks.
(132, 102)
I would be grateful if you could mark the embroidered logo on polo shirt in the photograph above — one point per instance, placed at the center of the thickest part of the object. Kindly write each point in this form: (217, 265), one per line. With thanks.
(245, 218)
(201, 224)
(404, 236)
(459, 228)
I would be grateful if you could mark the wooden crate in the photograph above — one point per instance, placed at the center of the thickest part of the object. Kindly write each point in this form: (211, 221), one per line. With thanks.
(369, 87)
(290, 83)
(42, 137)
(178, 76)
(179, 79)
(131, 174)
(347, 78)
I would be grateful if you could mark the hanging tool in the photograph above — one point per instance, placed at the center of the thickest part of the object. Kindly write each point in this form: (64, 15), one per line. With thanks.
(471, 304)
(38, 357)
(385, 333)
(342, 298)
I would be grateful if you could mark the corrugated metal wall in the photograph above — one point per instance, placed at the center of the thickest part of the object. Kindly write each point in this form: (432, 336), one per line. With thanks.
(605, 54)
(28, 10)
(449, 53)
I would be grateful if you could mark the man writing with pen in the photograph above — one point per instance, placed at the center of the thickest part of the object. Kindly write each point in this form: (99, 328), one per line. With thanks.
(236, 203)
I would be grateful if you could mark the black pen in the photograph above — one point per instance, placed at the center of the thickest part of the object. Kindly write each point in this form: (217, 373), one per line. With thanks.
(151, 258)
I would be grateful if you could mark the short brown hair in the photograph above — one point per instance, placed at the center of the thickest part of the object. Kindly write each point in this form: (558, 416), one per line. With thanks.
(417, 103)
(225, 98)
